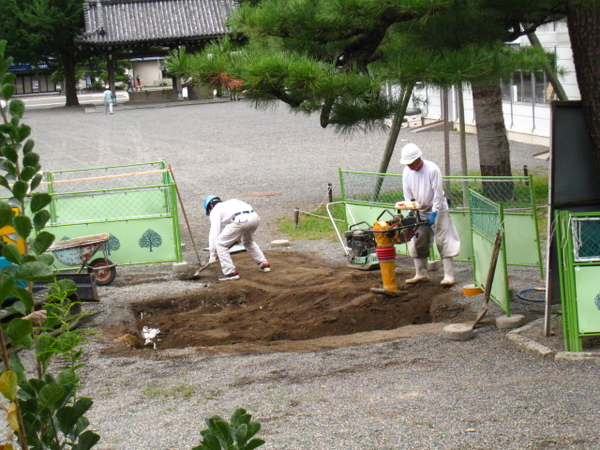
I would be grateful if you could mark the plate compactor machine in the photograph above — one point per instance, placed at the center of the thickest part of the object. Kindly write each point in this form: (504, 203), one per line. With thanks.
(373, 246)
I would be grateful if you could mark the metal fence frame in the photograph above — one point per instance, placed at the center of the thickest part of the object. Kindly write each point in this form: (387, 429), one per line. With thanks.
(579, 287)
(83, 203)
(487, 218)
(381, 191)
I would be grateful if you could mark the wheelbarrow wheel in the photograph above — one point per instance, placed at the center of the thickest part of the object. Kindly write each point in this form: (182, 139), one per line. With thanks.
(104, 275)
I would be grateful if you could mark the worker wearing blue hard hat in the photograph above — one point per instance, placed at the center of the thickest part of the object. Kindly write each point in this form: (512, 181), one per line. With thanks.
(232, 221)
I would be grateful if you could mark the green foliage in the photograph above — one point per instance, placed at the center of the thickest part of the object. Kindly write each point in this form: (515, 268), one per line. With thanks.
(96, 67)
(315, 56)
(180, 391)
(336, 57)
(237, 434)
(45, 31)
(540, 189)
(44, 409)
(317, 225)
(96, 86)
(212, 69)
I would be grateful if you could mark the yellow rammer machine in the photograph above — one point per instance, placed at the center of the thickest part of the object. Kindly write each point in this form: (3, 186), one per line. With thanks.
(382, 237)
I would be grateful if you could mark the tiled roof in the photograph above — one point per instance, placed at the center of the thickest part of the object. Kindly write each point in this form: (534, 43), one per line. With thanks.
(122, 22)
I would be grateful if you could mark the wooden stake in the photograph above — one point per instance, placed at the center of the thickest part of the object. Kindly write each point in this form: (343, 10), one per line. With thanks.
(185, 214)
(106, 177)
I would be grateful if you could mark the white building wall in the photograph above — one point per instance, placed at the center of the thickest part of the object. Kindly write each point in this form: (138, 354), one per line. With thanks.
(149, 70)
(525, 121)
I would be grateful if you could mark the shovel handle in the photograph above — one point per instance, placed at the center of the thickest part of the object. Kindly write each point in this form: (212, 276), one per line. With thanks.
(202, 268)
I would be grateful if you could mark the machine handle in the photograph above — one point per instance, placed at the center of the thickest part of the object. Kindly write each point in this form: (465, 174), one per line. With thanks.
(383, 212)
(359, 223)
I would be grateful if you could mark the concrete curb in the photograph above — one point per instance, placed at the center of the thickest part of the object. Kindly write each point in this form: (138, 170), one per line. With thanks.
(126, 105)
(530, 346)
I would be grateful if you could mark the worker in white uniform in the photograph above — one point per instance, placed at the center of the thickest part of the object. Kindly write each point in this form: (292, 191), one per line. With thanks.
(232, 221)
(422, 182)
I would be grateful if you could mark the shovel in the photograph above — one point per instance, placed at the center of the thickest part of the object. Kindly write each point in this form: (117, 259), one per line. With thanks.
(197, 273)
(490, 278)
(464, 331)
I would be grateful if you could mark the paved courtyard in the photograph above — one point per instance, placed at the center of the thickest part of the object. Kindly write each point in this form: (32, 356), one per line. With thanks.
(416, 392)
(232, 150)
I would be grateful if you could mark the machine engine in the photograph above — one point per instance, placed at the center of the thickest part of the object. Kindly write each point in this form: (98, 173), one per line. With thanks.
(360, 242)
(405, 227)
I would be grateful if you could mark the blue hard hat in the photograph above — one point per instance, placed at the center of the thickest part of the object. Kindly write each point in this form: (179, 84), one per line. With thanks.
(209, 201)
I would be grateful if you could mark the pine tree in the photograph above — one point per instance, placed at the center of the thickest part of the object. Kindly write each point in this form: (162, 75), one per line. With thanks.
(333, 58)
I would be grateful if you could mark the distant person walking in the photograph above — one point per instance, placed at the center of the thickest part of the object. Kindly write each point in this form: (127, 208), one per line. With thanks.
(108, 101)
(129, 83)
(138, 83)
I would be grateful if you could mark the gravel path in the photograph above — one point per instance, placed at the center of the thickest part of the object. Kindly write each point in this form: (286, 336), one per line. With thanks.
(420, 392)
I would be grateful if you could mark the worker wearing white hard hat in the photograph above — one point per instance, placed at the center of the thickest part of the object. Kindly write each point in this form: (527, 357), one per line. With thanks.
(232, 221)
(422, 182)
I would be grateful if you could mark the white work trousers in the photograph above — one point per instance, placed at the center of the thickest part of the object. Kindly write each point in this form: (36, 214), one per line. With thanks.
(108, 106)
(241, 228)
(445, 234)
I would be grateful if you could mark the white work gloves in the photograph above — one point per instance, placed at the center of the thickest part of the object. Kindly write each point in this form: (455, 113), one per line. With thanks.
(212, 260)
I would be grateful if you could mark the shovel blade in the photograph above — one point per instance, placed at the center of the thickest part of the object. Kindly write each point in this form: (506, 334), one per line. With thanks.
(197, 273)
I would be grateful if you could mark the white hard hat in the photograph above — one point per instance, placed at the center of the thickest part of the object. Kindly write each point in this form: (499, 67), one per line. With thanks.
(410, 153)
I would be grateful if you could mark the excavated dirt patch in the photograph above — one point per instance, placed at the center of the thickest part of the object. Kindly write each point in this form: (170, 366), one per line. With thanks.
(301, 299)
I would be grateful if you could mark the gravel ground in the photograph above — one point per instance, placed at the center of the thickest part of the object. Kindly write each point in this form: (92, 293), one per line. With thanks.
(419, 392)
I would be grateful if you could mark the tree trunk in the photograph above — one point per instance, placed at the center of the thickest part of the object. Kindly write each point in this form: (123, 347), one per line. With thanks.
(583, 18)
(463, 143)
(550, 71)
(405, 94)
(446, 114)
(68, 62)
(494, 151)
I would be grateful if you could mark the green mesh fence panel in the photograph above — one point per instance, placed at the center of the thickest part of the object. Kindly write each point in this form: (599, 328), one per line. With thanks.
(366, 187)
(110, 205)
(514, 193)
(586, 238)
(487, 220)
(485, 215)
(106, 178)
(136, 203)
(578, 261)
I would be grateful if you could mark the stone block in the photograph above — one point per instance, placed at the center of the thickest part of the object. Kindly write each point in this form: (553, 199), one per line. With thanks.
(507, 323)
(280, 243)
(181, 267)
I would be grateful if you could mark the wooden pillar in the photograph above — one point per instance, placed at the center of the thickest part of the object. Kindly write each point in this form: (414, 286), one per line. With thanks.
(111, 72)
(177, 86)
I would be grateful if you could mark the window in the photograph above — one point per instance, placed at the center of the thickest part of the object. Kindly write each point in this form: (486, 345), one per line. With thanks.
(527, 87)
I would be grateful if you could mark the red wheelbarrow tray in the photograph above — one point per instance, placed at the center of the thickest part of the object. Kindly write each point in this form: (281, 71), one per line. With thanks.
(78, 251)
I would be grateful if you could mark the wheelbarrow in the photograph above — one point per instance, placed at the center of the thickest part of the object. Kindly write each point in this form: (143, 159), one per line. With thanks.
(78, 251)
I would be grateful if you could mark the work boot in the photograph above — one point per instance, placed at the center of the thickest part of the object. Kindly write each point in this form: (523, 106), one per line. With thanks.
(229, 277)
(448, 272)
(420, 271)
